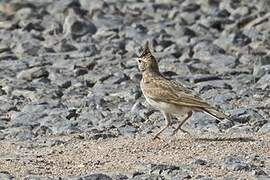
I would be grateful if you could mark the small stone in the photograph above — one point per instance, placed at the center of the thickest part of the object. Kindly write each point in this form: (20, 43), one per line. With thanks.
(236, 164)
(30, 47)
(64, 46)
(190, 7)
(4, 175)
(239, 115)
(127, 130)
(36, 177)
(76, 26)
(240, 128)
(33, 73)
(265, 128)
(264, 82)
(260, 69)
(203, 177)
(97, 177)
(241, 39)
(80, 71)
(200, 162)
(65, 84)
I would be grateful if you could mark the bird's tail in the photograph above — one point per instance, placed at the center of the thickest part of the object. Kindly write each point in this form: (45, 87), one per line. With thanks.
(215, 113)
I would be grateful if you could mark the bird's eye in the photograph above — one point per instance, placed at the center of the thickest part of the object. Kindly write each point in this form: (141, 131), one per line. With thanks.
(139, 61)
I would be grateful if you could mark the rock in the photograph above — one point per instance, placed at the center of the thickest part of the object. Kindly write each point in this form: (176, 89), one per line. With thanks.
(236, 164)
(190, 7)
(246, 59)
(264, 82)
(35, 177)
(200, 162)
(61, 5)
(204, 77)
(65, 46)
(203, 123)
(76, 26)
(119, 177)
(33, 73)
(79, 71)
(203, 177)
(127, 130)
(168, 171)
(265, 128)
(6, 175)
(221, 63)
(189, 18)
(240, 128)
(225, 124)
(261, 67)
(215, 84)
(30, 47)
(241, 39)
(239, 115)
(20, 133)
(95, 134)
(203, 50)
(96, 177)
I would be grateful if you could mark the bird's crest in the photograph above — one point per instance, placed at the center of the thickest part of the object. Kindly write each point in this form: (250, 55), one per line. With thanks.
(146, 50)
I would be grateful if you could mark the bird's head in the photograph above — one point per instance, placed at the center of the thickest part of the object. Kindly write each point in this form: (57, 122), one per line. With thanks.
(146, 61)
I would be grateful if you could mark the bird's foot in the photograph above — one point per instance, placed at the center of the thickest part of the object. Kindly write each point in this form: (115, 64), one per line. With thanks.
(184, 131)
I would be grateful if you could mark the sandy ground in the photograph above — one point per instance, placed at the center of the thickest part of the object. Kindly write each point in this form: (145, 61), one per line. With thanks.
(64, 156)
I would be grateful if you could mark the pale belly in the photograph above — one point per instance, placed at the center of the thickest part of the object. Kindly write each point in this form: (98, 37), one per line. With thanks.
(169, 108)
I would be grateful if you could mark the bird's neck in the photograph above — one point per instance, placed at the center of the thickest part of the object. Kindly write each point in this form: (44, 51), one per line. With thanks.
(150, 73)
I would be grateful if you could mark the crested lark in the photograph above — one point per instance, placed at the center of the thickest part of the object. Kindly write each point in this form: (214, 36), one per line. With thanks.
(167, 96)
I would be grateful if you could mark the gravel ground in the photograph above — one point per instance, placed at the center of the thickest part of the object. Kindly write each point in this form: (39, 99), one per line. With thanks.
(197, 157)
(69, 84)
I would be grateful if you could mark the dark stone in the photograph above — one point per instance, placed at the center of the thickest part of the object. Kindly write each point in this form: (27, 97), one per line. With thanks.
(96, 177)
(239, 115)
(241, 40)
(203, 177)
(200, 162)
(190, 7)
(80, 71)
(204, 77)
(97, 135)
(168, 171)
(223, 13)
(66, 84)
(161, 167)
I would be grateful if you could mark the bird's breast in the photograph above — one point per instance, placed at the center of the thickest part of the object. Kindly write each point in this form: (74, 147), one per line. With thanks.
(168, 107)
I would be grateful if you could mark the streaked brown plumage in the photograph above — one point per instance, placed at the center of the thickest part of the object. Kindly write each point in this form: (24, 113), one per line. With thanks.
(169, 97)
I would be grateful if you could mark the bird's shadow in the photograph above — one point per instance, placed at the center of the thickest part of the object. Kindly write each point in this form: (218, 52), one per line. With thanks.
(228, 139)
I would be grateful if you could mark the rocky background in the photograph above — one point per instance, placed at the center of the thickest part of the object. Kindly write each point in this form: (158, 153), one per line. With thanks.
(68, 68)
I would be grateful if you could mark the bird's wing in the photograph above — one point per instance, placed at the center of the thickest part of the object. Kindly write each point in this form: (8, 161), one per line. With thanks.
(167, 91)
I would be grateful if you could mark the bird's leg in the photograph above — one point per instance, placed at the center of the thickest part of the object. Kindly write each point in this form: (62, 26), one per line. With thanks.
(181, 123)
(167, 117)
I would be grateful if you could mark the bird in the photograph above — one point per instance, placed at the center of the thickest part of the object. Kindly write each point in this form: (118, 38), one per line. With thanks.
(170, 97)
